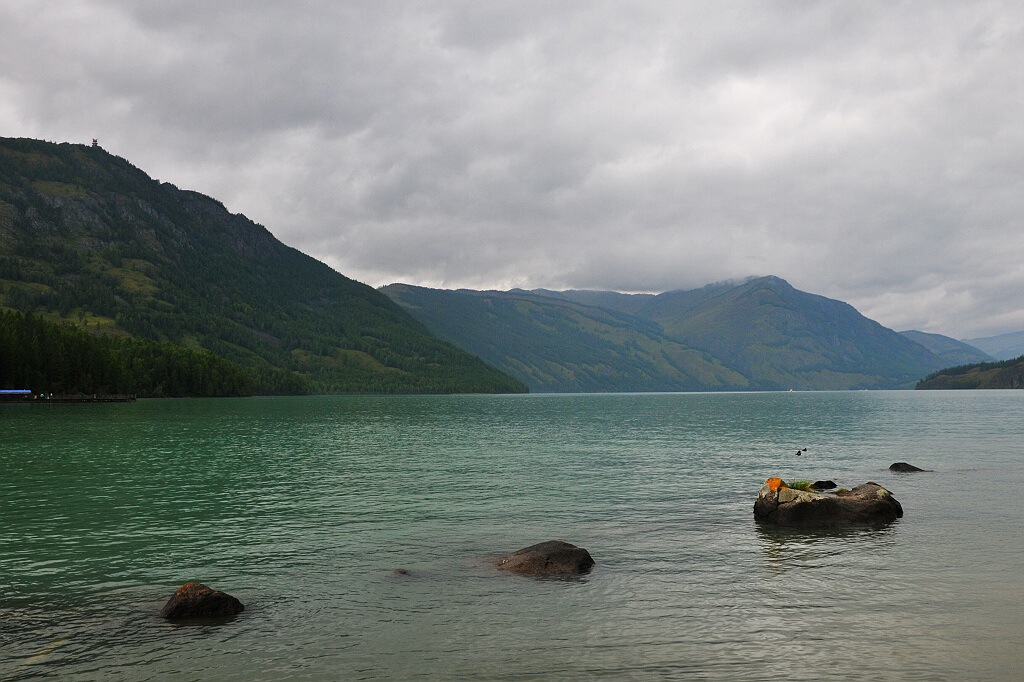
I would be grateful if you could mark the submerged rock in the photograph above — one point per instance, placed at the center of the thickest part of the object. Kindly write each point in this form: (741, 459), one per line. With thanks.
(195, 600)
(783, 506)
(904, 468)
(554, 557)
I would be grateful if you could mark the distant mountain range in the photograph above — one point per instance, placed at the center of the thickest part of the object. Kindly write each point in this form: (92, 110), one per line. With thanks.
(761, 334)
(88, 238)
(557, 345)
(1002, 347)
(950, 351)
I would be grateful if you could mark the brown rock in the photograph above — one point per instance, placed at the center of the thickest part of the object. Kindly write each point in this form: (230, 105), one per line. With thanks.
(548, 558)
(904, 468)
(869, 503)
(195, 600)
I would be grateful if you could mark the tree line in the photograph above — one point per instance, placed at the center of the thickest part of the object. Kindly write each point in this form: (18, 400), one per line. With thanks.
(45, 357)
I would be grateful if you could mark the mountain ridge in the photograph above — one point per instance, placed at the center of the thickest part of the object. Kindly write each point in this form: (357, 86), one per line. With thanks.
(761, 329)
(1001, 346)
(85, 236)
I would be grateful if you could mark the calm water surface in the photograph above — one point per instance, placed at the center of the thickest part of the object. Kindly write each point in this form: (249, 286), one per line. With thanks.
(305, 507)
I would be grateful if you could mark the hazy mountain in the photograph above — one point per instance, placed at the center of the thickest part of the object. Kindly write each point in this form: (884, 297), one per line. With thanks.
(766, 333)
(950, 351)
(87, 237)
(1002, 347)
(557, 345)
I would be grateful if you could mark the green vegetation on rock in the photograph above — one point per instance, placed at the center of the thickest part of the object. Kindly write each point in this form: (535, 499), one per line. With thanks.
(805, 486)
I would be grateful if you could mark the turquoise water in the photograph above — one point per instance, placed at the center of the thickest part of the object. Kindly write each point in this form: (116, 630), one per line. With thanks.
(305, 507)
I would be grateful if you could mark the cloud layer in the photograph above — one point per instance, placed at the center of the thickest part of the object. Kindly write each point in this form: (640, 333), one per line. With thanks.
(872, 152)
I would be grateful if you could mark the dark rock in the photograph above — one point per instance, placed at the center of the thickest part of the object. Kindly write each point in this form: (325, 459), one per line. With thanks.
(548, 558)
(195, 600)
(869, 503)
(823, 485)
(904, 468)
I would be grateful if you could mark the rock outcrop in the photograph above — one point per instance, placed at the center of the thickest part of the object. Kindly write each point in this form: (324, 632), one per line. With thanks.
(903, 467)
(548, 558)
(869, 503)
(195, 600)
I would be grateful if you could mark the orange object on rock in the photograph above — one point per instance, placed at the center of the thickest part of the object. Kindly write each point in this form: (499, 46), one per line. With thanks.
(774, 483)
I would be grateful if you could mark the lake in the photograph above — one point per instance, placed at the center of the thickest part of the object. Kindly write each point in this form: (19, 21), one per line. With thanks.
(305, 507)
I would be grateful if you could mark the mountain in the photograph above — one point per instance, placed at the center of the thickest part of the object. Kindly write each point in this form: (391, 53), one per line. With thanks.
(780, 337)
(557, 345)
(611, 300)
(768, 335)
(87, 237)
(1005, 374)
(1002, 347)
(950, 351)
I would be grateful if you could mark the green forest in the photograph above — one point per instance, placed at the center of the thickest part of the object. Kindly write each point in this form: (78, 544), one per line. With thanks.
(1004, 374)
(45, 357)
(86, 237)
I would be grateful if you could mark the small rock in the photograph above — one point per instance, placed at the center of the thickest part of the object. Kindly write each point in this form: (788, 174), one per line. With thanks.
(823, 485)
(195, 600)
(904, 468)
(554, 557)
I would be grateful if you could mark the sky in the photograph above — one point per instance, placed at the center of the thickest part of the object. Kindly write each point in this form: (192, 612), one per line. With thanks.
(871, 152)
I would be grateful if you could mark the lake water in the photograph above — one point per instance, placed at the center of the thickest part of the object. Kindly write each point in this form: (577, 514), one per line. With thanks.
(305, 507)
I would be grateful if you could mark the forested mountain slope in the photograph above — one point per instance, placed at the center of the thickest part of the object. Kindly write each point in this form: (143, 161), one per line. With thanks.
(780, 337)
(1005, 374)
(87, 237)
(557, 345)
(761, 334)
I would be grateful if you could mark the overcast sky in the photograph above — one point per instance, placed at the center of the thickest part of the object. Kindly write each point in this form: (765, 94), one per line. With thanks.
(867, 151)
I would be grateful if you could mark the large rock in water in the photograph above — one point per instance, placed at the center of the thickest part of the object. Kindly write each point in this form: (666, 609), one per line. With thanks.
(869, 503)
(548, 558)
(904, 468)
(195, 600)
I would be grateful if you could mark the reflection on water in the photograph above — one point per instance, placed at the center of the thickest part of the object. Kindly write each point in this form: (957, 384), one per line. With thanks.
(788, 548)
(305, 509)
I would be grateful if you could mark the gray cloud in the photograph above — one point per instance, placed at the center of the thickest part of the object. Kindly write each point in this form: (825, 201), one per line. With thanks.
(869, 152)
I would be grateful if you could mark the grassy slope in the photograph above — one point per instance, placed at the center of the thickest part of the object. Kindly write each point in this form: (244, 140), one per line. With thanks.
(553, 344)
